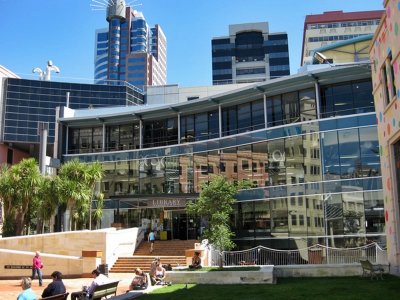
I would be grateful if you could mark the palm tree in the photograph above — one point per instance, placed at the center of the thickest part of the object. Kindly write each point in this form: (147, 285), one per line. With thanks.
(75, 187)
(19, 191)
(49, 202)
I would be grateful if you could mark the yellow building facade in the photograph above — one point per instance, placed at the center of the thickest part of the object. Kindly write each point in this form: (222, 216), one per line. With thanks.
(385, 58)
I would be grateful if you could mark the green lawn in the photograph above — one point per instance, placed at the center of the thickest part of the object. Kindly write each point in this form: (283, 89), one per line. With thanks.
(342, 288)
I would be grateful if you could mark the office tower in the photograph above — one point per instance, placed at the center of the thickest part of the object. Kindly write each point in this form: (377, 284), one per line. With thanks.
(334, 26)
(129, 50)
(249, 54)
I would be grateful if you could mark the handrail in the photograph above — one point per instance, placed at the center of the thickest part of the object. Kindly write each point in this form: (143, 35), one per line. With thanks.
(315, 254)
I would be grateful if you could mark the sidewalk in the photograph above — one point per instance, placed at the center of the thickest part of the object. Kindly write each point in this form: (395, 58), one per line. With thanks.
(10, 289)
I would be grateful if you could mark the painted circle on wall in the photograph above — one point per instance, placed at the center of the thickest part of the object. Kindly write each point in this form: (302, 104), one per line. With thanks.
(389, 184)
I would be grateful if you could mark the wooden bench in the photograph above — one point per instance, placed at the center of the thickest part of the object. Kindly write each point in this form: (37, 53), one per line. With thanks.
(57, 297)
(373, 271)
(105, 290)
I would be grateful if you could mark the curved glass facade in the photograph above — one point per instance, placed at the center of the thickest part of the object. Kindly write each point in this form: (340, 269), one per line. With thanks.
(312, 179)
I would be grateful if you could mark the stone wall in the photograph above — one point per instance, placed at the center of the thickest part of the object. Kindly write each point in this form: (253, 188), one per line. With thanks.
(62, 251)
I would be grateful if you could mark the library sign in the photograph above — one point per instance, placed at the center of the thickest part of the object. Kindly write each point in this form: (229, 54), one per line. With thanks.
(168, 202)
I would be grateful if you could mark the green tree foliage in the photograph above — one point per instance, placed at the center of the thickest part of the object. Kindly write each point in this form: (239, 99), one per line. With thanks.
(215, 205)
(19, 191)
(48, 204)
(75, 187)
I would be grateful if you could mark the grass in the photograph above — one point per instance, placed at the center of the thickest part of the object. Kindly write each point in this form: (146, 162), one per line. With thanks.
(343, 288)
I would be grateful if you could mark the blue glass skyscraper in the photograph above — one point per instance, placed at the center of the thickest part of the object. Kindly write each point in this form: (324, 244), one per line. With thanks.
(129, 50)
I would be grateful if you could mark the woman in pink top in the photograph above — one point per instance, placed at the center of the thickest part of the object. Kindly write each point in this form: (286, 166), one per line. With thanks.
(37, 267)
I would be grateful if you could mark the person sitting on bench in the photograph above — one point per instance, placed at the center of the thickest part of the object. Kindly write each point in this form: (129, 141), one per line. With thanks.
(98, 279)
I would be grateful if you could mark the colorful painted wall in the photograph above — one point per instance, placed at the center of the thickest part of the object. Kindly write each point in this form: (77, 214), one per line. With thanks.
(384, 54)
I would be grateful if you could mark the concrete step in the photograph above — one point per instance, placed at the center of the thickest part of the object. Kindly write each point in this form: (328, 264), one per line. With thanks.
(170, 252)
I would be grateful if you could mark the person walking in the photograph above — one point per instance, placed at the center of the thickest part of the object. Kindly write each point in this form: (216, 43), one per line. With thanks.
(152, 239)
(37, 267)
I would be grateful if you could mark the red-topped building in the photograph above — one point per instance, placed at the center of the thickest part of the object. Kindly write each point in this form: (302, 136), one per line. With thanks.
(334, 26)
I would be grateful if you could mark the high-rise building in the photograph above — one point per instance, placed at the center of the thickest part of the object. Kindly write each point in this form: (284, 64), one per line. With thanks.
(334, 26)
(129, 50)
(249, 54)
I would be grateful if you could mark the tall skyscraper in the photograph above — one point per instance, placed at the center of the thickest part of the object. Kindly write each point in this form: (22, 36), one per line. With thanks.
(334, 26)
(129, 50)
(249, 54)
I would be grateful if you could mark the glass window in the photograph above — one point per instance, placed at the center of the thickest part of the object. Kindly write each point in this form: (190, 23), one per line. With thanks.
(369, 147)
(295, 162)
(213, 124)
(353, 213)
(200, 170)
(126, 137)
(307, 105)
(279, 215)
(290, 105)
(363, 97)
(85, 140)
(244, 117)
(349, 153)
(229, 121)
(333, 211)
(244, 161)
(201, 126)
(330, 155)
(229, 160)
(277, 160)
(274, 111)
(374, 212)
(257, 115)
(260, 163)
(98, 139)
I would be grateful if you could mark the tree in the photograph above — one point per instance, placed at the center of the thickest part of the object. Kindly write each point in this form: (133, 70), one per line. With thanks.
(48, 204)
(19, 191)
(75, 187)
(215, 204)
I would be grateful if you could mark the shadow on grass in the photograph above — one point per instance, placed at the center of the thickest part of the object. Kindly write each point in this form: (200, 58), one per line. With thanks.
(343, 288)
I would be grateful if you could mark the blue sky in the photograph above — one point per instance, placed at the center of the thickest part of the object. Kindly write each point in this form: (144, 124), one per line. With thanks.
(34, 31)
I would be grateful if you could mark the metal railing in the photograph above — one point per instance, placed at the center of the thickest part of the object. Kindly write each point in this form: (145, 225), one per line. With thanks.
(316, 254)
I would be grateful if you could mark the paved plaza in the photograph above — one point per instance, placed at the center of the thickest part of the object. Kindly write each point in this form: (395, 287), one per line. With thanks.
(9, 289)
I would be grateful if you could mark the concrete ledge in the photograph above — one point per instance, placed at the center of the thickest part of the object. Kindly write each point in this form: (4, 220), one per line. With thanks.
(129, 295)
(321, 270)
(264, 276)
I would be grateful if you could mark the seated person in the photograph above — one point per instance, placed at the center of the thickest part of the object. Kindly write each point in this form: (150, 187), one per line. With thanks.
(98, 279)
(153, 268)
(196, 261)
(56, 287)
(160, 275)
(139, 282)
(27, 293)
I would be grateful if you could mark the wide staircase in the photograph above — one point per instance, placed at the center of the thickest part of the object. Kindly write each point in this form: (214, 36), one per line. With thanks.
(170, 252)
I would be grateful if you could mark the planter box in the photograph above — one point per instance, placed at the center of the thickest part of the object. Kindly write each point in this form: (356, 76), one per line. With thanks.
(263, 276)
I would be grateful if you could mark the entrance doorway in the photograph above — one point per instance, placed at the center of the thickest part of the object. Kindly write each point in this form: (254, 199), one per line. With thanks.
(184, 226)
